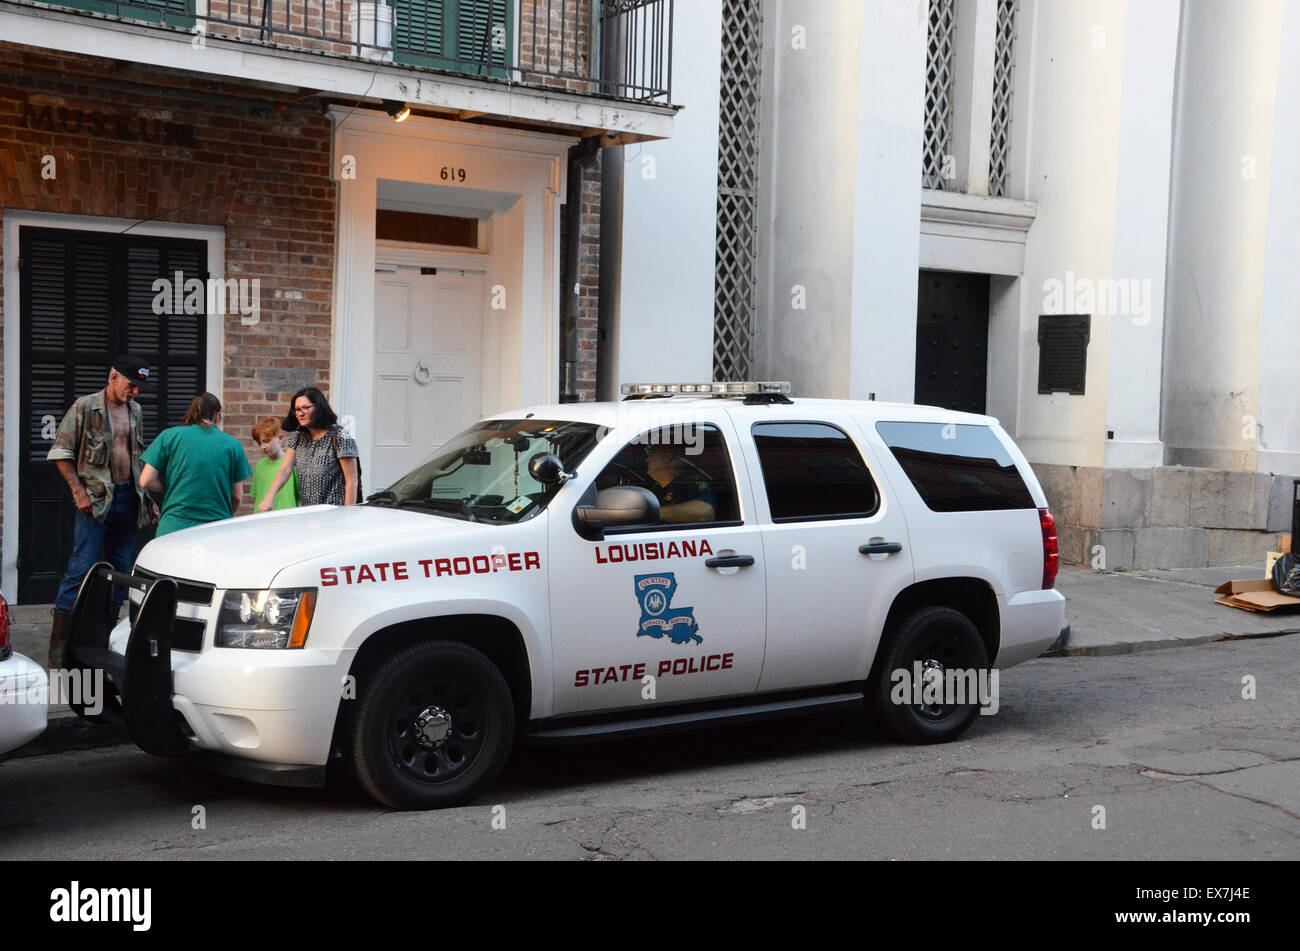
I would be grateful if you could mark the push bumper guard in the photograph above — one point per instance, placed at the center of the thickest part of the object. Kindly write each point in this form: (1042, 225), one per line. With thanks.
(142, 677)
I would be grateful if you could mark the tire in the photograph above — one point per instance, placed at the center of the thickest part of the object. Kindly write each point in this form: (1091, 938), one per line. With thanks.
(468, 731)
(929, 635)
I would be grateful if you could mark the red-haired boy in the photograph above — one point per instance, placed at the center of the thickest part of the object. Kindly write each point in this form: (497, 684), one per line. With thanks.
(270, 439)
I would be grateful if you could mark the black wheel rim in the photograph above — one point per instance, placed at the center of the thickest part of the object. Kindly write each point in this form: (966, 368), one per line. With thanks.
(435, 763)
(940, 651)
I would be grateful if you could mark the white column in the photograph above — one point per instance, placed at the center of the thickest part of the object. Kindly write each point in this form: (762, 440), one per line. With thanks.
(1222, 172)
(887, 200)
(975, 42)
(1279, 357)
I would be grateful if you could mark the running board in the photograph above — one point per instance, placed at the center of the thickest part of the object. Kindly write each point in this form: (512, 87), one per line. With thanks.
(579, 732)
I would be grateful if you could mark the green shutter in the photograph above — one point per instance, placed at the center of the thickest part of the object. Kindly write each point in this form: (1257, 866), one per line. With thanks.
(483, 32)
(475, 37)
(419, 32)
(172, 12)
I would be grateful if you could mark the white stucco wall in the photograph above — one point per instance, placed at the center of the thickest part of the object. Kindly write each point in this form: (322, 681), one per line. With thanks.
(1141, 229)
(1078, 53)
(670, 190)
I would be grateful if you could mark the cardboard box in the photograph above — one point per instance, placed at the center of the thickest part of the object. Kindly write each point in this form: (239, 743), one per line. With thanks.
(1254, 595)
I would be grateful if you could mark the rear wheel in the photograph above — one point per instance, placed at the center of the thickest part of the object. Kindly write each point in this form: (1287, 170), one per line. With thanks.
(941, 645)
(434, 727)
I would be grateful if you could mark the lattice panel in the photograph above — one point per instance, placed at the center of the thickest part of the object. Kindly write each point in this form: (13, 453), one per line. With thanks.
(735, 280)
(938, 93)
(1003, 65)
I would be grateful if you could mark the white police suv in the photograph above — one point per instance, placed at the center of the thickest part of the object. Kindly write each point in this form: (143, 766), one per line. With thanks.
(693, 554)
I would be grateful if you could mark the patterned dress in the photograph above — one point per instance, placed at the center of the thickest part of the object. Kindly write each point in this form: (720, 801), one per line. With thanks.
(320, 477)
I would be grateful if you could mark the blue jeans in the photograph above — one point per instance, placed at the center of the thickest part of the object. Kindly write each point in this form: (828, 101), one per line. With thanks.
(115, 536)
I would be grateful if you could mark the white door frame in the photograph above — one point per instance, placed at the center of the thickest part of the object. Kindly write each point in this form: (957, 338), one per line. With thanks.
(213, 235)
(519, 177)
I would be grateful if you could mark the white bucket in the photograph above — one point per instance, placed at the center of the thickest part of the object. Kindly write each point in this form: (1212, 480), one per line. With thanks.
(372, 27)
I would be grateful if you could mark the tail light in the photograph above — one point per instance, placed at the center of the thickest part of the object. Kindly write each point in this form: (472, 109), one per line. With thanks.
(1051, 550)
(4, 627)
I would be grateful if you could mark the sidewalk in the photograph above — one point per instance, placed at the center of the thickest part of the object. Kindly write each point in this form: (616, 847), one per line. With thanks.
(1105, 613)
(1148, 609)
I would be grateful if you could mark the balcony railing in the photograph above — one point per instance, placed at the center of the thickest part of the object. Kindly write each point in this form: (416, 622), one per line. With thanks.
(618, 48)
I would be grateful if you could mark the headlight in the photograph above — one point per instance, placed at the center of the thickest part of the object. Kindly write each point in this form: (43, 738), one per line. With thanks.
(266, 619)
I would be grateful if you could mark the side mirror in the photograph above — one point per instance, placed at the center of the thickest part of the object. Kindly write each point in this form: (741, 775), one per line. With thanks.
(546, 468)
(617, 505)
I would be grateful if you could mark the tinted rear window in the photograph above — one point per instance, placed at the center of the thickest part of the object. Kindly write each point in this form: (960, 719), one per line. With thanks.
(813, 471)
(957, 468)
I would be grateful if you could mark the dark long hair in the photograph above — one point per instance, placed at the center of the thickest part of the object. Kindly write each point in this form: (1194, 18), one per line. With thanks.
(203, 410)
(322, 418)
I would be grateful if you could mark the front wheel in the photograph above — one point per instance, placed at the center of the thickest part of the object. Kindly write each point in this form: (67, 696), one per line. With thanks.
(434, 727)
(933, 645)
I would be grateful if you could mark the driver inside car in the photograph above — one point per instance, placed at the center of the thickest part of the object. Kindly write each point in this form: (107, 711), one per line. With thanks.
(683, 491)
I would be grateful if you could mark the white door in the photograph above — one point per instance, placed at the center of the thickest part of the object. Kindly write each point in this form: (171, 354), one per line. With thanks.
(428, 364)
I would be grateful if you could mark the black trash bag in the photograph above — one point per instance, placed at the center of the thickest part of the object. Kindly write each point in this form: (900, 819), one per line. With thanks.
(1286, 575)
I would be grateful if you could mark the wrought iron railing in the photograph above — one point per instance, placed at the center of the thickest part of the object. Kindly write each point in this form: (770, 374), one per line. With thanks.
(619, 48)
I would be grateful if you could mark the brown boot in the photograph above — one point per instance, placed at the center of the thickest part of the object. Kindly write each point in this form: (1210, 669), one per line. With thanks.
(58, 633)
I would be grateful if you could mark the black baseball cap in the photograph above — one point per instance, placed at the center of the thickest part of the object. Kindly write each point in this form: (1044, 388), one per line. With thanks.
(134, 368)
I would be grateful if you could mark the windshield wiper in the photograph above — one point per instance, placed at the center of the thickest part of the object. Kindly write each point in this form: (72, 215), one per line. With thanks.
(459, 505)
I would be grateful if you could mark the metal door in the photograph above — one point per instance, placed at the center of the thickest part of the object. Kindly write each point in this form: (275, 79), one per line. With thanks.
(952, 336)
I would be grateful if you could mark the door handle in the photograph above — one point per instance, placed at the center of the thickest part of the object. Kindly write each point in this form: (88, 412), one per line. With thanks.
(881, 548)
(730, 561)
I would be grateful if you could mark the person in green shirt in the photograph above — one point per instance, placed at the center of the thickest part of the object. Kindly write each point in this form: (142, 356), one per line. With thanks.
(199, 469)
(270, 439)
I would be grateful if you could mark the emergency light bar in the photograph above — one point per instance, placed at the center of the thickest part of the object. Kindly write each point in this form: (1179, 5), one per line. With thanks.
(730, 388)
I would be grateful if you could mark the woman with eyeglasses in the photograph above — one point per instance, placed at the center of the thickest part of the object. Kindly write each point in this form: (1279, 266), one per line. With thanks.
(321, 451)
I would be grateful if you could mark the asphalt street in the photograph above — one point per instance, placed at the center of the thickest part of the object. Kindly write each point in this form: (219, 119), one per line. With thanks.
(1180, 764)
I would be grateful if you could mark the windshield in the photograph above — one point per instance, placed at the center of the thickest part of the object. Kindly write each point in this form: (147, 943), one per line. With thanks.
(482, 474)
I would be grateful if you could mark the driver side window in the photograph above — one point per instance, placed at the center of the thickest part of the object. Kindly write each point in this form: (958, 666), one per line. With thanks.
(686, 467)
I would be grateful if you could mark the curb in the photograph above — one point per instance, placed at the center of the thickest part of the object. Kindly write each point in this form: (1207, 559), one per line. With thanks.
(1134, 647)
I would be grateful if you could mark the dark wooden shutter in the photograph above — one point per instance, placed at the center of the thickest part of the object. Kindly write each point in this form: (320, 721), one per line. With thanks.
(84, 298)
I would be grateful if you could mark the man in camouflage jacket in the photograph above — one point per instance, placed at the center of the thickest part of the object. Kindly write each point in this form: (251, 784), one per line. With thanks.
(97, 450)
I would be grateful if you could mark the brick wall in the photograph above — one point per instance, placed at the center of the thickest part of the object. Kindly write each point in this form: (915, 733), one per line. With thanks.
(588, 276)
(257, 166)
(555, 37)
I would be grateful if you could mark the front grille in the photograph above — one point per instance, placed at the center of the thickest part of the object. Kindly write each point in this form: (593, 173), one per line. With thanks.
(191, 592)
(187, 633)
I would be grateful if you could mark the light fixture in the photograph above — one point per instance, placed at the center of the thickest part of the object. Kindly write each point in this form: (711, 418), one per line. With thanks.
(398, 110)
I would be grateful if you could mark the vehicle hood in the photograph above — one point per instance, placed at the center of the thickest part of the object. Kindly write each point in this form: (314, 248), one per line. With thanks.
(249, 551)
